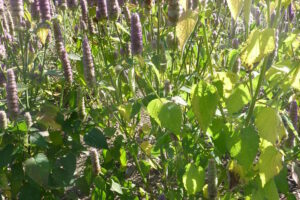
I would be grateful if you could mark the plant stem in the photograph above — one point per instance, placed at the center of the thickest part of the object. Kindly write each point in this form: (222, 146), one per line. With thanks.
(260, 81)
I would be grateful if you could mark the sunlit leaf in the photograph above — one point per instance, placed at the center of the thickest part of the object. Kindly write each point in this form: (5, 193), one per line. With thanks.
(259, 44)
(246, 148)
(193, 178)
(185, 27)
(235, 7)
(204, 103)
(238, 99)
(38, 168)
(42, 33)
(247, 9)
(269, 124)
(166, 113)
(270, 164)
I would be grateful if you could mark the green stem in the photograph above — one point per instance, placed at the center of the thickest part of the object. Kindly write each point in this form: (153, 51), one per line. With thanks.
(260, 81)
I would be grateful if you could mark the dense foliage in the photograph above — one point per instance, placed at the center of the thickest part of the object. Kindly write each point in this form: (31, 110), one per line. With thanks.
(177, 99)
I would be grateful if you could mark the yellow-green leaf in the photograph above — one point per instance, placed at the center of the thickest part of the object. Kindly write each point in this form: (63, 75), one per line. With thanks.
(193, 178)
(185, 27)
(269, 124)
(235, 7)
(147, 147)
(247, 9)
(259, 44)
(296, 79)
(42, 33)
(270, 164)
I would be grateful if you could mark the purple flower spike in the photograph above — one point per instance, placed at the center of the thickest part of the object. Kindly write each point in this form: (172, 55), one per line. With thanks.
(12, 95)
(136, 35)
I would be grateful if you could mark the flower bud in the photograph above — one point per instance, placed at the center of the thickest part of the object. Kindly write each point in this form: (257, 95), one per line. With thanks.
(102, 10)
(1, 7)
(127, 15)
(174, 11)
(294, 114)
(95, 161)
(167, 87)
(88, 63)
(172, 42)
(72, 4)
(237, 66)
(62, 4)
(17, 10)
(83, 26)
(62, 52)
(12, 95)
(136, 35)
(3, 120)
(35, 9)
(235, 43)
(212, 180)
(257, 16)
(195, 4)
(113, 10)
(84, 11)
(291, 12)
(2, 76)
(272, 18)
(2, 52)
(45, 10)
(28, 120)
(68, 74)
(11, 24)
(81, 104)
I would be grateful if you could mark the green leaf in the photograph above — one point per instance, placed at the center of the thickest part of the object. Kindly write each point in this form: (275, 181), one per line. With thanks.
(116, 187)
(245, 149)
(235, 7)
(38, 168)
(270, 164)
(6, 155)
(42, 33)
(238, 99)
(193, 179)
(269, 124)
(185, 27)
(269, 192)
(166, 113)
(95, 138)
(247, 9)
(204, 103)
(259, 44)
(38, 140)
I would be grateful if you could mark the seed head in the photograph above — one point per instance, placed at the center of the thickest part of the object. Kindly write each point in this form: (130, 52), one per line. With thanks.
(1, 7)
(28, 119)
(81, 104)
(136, 35)
(84, 11)
(72, 4)
(12, 95)
(291, 12)
(35, 9)
(294, 113)
(11, 24)
(212, 179)
(88, 64)
(102, 10)
(235, 43)
(95, 161)
(45, 9)
(62, 52)
(2, 77)
(174, 11)
(3, 120)
(113, 10)
(62, 4)
(17, 10)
